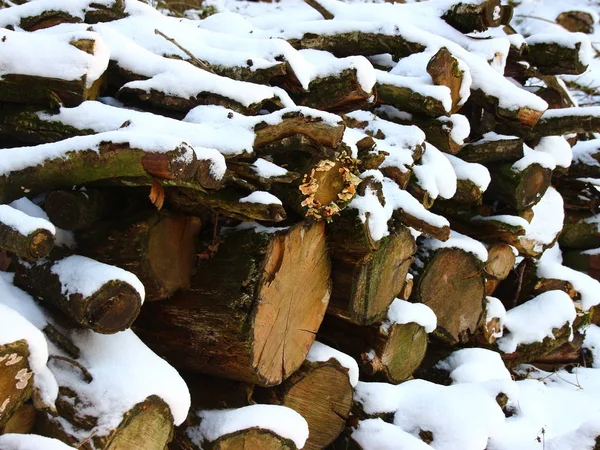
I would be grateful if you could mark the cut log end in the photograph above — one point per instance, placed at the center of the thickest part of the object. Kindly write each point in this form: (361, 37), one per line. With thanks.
(289, 312)
(403, 352)
(113, 308)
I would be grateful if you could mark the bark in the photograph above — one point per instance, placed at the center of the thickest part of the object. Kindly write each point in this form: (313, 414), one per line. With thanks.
(111, 308)
(518, 189)
(364, 284)
(576, 21)
(576, 120)
(530, 352)
(16, 379)
(37, 244)
(77, 210)
(552, 58)
(580, 234)
(485, 151)
(358, 43)
(21, 421)
(518, 121)
(110, 161)
(586, 168)
(247, 300)
(148, 425)
(451, 282)
(584, 262)
(321, 393)
(405, 99)
(478, 16)
(94, 13)
(389, 354)
(159, 248)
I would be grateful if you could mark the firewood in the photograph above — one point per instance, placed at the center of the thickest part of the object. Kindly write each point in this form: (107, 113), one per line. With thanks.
(108, 304)
(16, 381)
(451, 280)
(249, 299)
(493, 149)
(104, 156)
(158, 247)
(445, 70)
(365, 283)
(477, 16)
(557, 122)
(319, 391)
(25, 236)
(580, 232)
(390, 354)
(21, 421)
(30, 19)
(500, 262)
(555, 57)
(587, 261)
(576, 21)
(76, 210)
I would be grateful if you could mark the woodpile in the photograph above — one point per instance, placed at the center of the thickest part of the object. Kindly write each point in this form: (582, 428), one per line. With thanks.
(207, 238)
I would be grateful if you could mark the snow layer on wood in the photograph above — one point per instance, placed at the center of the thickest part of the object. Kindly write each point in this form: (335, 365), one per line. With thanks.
(256, 227)
(558, 148)
(592, 343)
(180, 78)
(81, 275)
(61, 237)
(566, 40)
(435, 174)
(550, 266)
(474, 365)
(281, 420)
(548, 219)
(267, 169)
(14, 327)
(324, 64)
(461, 416)
(460, 127)
(73, 64)
(75, 8)
(457, 240)
(583, 151)
(262, 197)
(23, 223)
(14, 159)
(229, 137)
(378, 215)
(478, 174)
(321, 353)
(375, 434)
(494, 309)
(513, 221)
(419, 86)
(531, 157)
(536, 319)
(31, 442)
(578, 111)
(401, 312)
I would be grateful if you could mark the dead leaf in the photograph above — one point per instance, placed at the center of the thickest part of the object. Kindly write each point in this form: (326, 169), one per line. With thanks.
(157, 194)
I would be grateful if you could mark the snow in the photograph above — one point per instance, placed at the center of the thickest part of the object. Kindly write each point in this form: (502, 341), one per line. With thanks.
(266, 169)
(23, 223)
(435, 174)
(548, 219)
(14, 159)
(14, 327)
(322, 353)
(583, 152)
(494, 309)
(402, 312)
(474, 365)
(550, 266)
(73, 64)
(535, 319)
(375, 434)
(531, 157)
(417, 85)
(460, 127)
(281, 420)
(457, 240)
(262, 197)
(11, 441)
(592, 343)
(478, 174)
(558, 148)
(81, 275)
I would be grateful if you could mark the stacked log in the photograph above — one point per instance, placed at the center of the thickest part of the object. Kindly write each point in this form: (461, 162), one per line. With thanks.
(300, 206)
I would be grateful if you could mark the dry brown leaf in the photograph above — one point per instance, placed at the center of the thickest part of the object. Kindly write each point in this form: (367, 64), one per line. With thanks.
(157, 194)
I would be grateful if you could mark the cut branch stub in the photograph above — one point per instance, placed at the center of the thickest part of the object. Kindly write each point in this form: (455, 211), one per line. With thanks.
(157, 247)
(452, 283)
(16, 380)
(29, 242)
(321, 393)
(247, 300)
(110, 306)
(445, 71)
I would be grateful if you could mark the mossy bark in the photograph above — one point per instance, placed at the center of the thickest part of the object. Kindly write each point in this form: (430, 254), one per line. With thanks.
(16, 378)
(34, 245)
(485, 152)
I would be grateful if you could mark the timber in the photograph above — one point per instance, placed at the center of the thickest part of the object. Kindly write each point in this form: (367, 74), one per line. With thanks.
(246, 299)
(16, 379)
(33, 245)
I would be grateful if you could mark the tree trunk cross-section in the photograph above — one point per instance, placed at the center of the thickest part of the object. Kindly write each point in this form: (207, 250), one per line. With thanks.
(452, 284)
(252, 312)
(16, 381)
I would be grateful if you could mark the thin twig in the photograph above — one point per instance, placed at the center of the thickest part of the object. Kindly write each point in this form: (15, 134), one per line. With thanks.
(87, 376)
(198, 63)
(536, 18)
(320, 8)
